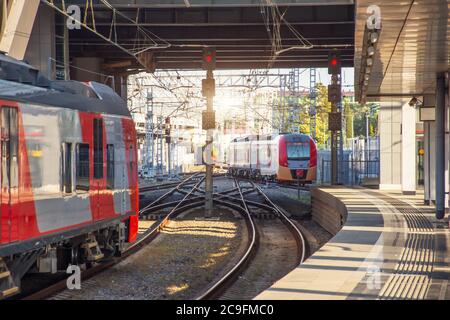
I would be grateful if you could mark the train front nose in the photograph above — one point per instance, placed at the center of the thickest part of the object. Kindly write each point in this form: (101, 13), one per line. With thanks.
(299, 174)
(297, 158)
(299, 169)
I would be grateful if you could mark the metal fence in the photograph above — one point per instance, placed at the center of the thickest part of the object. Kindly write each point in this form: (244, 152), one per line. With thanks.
(351, 172)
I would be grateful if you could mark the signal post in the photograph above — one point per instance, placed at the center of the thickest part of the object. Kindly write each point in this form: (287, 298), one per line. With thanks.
(335, 116)
(209, 124)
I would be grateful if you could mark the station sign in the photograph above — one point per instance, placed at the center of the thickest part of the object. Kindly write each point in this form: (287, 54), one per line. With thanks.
(427, 114)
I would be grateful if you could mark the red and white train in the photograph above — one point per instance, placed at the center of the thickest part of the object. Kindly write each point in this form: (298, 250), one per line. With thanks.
(285, 158)
(69, 185)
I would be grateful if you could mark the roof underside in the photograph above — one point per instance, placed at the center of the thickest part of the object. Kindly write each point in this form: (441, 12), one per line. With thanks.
(237, 29)
(413, 47)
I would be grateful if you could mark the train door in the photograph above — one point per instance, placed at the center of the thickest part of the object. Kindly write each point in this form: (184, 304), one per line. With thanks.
(132, 169)
(9, 173)
(98, 185)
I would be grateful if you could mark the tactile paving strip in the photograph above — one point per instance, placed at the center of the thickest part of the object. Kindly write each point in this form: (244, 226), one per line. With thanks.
(412, 275)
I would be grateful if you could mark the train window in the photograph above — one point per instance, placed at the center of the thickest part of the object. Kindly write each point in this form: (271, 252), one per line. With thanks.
(298, 150)
(110, 166)
(131, 158)
(83, 167)
(10, 147)
(66, 167)
(98, 148)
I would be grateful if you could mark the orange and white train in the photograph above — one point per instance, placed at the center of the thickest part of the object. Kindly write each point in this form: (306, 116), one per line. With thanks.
(285, 157)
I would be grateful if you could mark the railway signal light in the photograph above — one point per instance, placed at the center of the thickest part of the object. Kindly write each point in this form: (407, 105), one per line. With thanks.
(334, 63)
(209, 58)
(334, 93)
(168, 131)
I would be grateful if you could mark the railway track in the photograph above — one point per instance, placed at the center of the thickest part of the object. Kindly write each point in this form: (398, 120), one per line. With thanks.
(164, 186)
(186, 203)
(190, 200)
(256, 255)
(292, 185)
(193, 197)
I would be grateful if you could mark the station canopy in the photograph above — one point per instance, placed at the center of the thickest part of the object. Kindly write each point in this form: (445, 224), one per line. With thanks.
(413, 46)
(247, 33)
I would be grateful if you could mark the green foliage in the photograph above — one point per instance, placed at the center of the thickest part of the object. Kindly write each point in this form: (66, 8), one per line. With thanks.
(360, 119)
(354, 116)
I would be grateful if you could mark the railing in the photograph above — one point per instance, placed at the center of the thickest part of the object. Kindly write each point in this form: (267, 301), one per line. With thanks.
(351, 172)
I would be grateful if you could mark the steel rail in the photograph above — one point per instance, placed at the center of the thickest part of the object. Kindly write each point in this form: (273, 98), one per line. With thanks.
(229, 278)
(228, 194)
(291, 225)
(159, 187)
(160, 227)
(167, 194)
(289, 185)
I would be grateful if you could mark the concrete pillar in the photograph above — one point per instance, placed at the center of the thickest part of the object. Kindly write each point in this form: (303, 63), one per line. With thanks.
(17, 27)
(120, 86)
(408, 165)
(87, 69)
(440, 146)
(66, 55)
(446, 166)
(430, 161)
(41, 48)
(124, 91)
(390, 117)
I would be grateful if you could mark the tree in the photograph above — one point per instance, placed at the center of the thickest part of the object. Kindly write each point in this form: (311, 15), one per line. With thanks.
(353, 113)
(348, 114)
(360, 119)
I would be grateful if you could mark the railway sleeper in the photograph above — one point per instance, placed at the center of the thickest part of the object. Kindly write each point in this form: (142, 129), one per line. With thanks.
(265, 216)
(155, 216)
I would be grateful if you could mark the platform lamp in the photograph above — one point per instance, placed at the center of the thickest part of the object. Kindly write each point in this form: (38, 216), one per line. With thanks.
(370, 42)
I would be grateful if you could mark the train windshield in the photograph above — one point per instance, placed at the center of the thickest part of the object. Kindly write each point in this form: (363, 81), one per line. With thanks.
(298, 150)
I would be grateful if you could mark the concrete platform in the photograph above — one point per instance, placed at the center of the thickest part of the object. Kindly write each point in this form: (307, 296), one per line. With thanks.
(390, 247)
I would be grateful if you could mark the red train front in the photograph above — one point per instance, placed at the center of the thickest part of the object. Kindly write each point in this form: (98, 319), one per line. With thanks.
(297, 158)
(69, 186)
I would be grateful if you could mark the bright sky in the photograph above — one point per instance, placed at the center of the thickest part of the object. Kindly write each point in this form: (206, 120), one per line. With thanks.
(228, 102)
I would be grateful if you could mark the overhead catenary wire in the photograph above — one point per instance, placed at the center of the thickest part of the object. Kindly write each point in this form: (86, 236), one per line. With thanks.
(272, 16)
(146, 40)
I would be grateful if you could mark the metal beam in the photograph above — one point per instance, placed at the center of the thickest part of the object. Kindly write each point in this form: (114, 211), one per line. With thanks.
(236, 28)
(170, 4)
